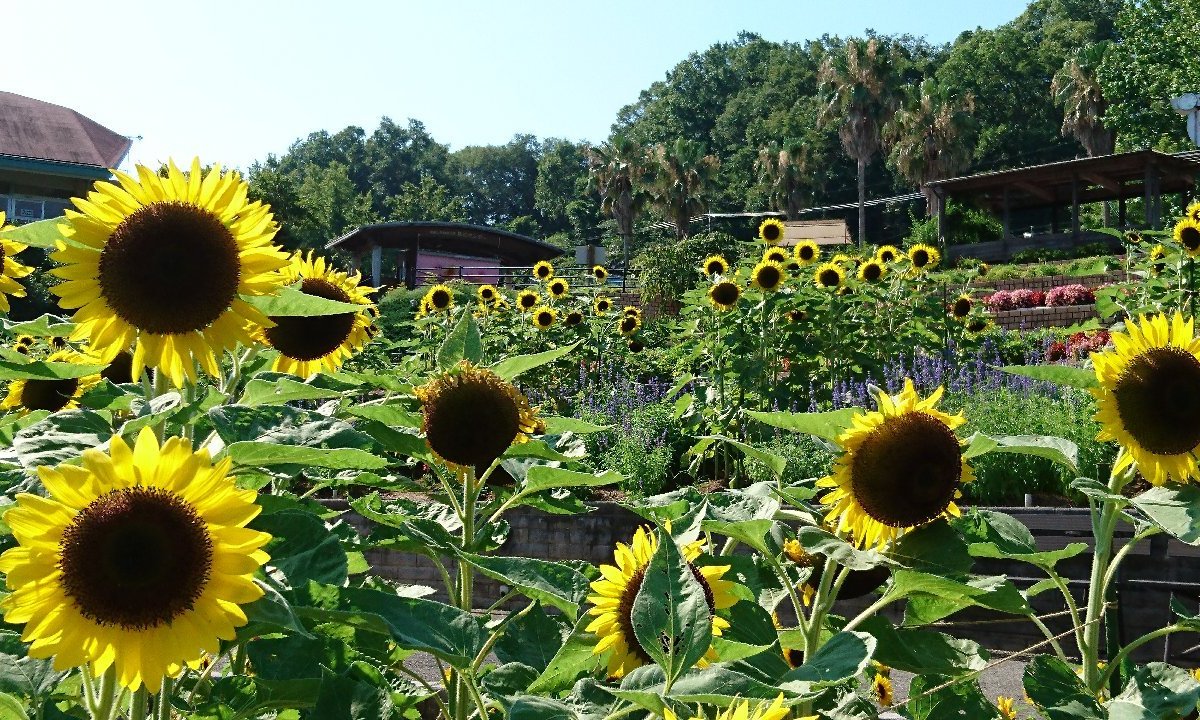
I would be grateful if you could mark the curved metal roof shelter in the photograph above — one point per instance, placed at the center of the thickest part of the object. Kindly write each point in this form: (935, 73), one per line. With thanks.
(506, 248)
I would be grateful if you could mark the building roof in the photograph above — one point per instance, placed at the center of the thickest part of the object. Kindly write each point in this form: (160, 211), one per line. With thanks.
(1105, 177)
(458, 238)
(36, 130)
(823, 232)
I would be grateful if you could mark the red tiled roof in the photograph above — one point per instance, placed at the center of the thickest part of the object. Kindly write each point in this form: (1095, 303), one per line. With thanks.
(34, 129)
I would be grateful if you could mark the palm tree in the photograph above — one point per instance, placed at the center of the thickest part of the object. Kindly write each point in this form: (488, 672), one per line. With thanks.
(930, 136)
(618, 172)
(1077, 89)
(858, 90)
(683, 177)
(784, 172)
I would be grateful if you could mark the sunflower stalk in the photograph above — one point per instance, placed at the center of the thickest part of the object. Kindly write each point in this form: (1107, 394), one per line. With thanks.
(139, 704)
(1104, 520)
(102, 704)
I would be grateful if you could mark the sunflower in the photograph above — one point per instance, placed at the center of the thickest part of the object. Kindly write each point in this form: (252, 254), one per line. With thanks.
(901, 467)
(558, 288)
(983, 269)
(763, 710)
(829, 276)
(723, 295)
(11, 268)
(24, 344)
(573, 318)
(1187, 234)
(439, 298)
(767, 276)
(471, 416)
(961, 307)
(632, 311)
(923, 258)
(629, 325)
(619, 586)
(881, 688)
(636, 346)
(887, 254)
(1133, 237)
(771, 231)
(1007, 707)
(776, 255)
(601, 305)
(806, 252)
(1158, 255)
(308, 345)
(52, 395)
(528, 300)
(872, 271)
(1193, 212)
(714, 265)
(544, 317)
(139, 560)
(978, 326)
(161, 264)
(1149, 397)
(487, 293)
(795, 316)
(543, 270)
(599, 273)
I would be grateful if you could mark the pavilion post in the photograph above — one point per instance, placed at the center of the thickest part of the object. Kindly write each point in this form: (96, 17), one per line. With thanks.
(940, 202)
(1006, 219)
(1151, 196)
(1074, 207)
(377, 265)
(1121, 205)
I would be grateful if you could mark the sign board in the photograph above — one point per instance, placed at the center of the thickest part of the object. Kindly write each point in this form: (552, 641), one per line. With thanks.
(590, 255)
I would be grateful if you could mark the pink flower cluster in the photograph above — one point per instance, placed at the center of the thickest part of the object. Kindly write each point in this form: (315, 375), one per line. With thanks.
(1021, 299)
(1078, 345)
(1064, 295)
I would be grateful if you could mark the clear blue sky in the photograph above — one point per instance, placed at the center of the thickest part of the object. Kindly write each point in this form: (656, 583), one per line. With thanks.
(233, 81)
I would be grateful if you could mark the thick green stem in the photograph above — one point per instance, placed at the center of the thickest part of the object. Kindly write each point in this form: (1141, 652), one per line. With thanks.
(139, 703)
(1115, 664)
(162, 707)
(1103, 523)
(1049, 637)
(104, 703)
(821, 603)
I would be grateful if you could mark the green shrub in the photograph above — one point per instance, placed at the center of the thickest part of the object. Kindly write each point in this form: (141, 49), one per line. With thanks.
(669, 269)
(645, 445)
(806, 456)
(964, 226)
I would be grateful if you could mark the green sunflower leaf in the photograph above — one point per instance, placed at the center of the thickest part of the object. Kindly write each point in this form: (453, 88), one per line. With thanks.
(510, 367)
(265, 454)
(670, 616)
(41, 234)
(825, 425)
(844, 656)
(1058, 691)
(572, 660)
(1156, 690)
(923, 651)
(60, 437)
(290, 302)
(461, 343)
(1058, 374)
(1174, 508)
(1055, 449)
(282, 390)
(553, 583)
(545, 477)
(42, 370)
(43, 326)
(302, 548)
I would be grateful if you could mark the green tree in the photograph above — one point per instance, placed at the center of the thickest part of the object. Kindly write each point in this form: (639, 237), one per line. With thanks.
(931, 135)
(332, 206)
(784, 171)
(1077, 89)
(562, 197)
(429, 201)
(497, 182)
(395, 155)
(618, 171)
(859, 89)
(683, 180)
(1154, 60)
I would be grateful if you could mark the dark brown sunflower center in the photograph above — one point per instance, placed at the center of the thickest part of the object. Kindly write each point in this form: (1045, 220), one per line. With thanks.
(962, 307)
(628, 324)
(603, 306)
(52, 395)
(830, 278)
(1158, 399)
(725, 293)
(887, 256)
(872, 272)
(574, 317)
(1189, 237)
(170, 268)
(528, 301)
(472, 420)
(977, 325)
(714, 267)
(771, 233)
(487, 294)
(120, 370)
(636, 346)
(440, 299)
(312, 338)
(920, 258)
(769, 277)
(776, 256)
(543, 271)
(625, 609)
(807, 252)
(907, 470)
(137, 558)
(545, 318)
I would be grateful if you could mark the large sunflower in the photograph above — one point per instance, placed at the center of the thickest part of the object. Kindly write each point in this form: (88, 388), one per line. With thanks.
(161, 264)
(901, 467)
(472, 415)
(829, 276)
(1149, 397)
(439, 298)
(923, 258)
(723, 295)
(767, 276)
(599, 273)
(52, 395)
(776, 255)
(771, 231)
(11, 268)
(138, 559)
(1187, 234)
(558, 288)
(528, 300)
(872, 271)
(961, 307)
(628, 325)
(487, 293)
(308, 345)
(887, 254)
(714, 265)
(543, 270)
(544, 317)
(601, 305)
(807, 252)
(619, 586)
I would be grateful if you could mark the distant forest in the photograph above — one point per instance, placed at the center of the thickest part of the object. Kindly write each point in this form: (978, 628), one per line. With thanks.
(1060, 81)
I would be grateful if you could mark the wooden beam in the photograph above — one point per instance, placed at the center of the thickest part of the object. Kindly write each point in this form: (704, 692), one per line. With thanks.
(1035, 190)
(1102, 180)
(1074, 207)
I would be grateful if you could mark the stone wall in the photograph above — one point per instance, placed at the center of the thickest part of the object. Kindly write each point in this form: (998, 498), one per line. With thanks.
(1039, 317)
(1050, 281)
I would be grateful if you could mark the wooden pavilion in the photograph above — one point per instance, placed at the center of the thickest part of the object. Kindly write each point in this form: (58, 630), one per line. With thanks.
(436, 251)
(1042, 192)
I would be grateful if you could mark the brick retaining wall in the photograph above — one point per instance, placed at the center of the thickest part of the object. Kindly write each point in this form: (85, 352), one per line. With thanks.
(1049, 281)
(1039, 317)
